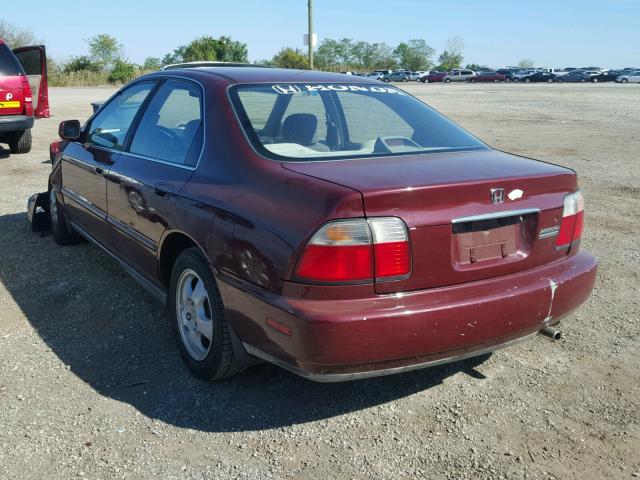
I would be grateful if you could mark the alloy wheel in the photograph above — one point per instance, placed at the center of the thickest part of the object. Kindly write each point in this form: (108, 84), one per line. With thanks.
(193, 313)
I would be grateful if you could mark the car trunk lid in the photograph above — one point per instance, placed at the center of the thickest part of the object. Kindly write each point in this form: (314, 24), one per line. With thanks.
(457, 234)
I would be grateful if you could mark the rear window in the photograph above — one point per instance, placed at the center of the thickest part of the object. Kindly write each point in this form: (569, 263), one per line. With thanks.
(9, 66)
(326, 121)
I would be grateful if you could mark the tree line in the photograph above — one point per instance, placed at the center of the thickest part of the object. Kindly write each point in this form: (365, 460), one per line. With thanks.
(105, 56)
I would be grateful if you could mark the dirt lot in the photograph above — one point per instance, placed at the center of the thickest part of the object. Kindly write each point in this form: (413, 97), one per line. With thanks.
(91, 384)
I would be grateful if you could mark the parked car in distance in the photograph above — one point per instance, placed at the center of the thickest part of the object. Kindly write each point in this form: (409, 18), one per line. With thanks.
(459, 76)
(607, 76)
(433, 77)
(378, 74)
(509, 73)
(23, 72)
(488, 76)
(521, 74)
(539, 77)
(631, 77)
(213, 188)
(574, 76)
(397, 76)
(420, 74)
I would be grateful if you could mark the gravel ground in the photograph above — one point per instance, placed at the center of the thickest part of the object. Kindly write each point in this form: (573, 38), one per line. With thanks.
(91, 384)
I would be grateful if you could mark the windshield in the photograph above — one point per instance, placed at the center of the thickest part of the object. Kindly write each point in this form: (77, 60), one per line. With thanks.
(326, 121)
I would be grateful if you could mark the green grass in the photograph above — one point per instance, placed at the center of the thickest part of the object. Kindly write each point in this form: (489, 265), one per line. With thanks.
(84, 78)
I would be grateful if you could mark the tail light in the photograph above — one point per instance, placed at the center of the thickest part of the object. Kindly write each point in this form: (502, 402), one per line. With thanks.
(572, 220)
(357, 250)
(26, 95)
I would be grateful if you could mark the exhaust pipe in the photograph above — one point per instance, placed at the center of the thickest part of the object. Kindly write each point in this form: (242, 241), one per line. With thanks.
(552, 333)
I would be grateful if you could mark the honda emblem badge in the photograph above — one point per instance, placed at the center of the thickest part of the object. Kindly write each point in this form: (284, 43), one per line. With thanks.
(497, 195)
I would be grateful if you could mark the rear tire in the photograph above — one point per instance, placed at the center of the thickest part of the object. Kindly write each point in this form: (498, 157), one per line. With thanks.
(63, 233)
(20, 142)
(195, 315)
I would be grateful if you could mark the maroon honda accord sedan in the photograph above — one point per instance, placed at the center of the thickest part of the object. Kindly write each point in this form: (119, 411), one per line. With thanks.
(330, 224)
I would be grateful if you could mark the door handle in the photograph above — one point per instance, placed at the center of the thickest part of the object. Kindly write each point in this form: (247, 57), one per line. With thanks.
(99, 170)
(162, 190)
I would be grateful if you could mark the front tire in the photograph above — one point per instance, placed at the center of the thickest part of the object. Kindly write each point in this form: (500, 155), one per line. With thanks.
(63, 233)
(199, 320)
(447, 80)
(624, 80)
(20, 142)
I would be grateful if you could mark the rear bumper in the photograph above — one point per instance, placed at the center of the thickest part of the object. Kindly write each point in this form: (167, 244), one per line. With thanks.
(333, 340)
(13, 123)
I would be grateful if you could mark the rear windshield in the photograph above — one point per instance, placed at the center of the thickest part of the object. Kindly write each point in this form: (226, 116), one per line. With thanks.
(327, 121)
(8, 64)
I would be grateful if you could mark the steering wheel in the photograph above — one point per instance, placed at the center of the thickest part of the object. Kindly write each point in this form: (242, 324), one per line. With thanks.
(169, 133)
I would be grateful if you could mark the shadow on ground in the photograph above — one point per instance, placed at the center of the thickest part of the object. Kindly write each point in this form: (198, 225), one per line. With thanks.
(113, 336)
(4, 153)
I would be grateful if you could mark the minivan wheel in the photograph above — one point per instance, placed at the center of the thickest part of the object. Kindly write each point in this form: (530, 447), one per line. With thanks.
(625, 80)
(199, 320)
(63, 233)
(20, 142)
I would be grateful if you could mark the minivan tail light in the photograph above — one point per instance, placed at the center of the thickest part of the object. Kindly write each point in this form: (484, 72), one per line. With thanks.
(356, 250)
(572, 220)
(26, 95)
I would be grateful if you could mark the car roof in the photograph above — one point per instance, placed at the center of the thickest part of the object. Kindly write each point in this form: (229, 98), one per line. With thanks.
(238, 75)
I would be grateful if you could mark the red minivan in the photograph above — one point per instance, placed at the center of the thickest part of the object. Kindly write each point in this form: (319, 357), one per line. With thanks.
(22, 72)
(330, 224)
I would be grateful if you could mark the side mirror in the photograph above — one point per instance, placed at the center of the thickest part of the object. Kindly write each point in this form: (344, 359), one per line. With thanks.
(69, 130)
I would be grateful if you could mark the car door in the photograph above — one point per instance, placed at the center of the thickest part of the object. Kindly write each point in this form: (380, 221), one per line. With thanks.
(34, 62)
(85, 163)
(144, 183)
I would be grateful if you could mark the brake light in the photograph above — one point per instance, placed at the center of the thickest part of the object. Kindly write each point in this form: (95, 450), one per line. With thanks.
(572, 220)
(357, 250)
(27, 98)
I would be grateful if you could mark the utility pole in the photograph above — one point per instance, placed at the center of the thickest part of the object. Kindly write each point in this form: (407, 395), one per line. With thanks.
(310, 10)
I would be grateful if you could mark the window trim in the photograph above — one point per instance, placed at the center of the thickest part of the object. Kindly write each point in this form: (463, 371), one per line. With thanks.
(244, 124)
(158, 80)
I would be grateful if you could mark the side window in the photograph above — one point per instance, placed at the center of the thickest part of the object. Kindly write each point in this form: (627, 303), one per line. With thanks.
(171, 127)
(109, 127)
